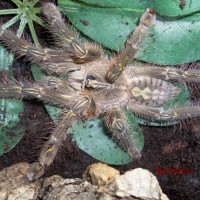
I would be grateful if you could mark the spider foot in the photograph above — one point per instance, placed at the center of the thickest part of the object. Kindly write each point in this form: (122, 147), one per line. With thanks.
(36, 170)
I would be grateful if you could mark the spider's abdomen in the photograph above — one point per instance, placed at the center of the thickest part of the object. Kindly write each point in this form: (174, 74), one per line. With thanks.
(151, 91)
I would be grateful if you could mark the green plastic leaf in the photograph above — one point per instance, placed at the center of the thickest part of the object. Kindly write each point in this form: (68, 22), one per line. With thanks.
(102, 24)
(168, 8)
(171, 41)
(174, 7)
(93, 138)
(122, 4)
(11, 130)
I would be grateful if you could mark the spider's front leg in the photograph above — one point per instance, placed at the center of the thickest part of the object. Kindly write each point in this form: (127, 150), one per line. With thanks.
(37, 55)
(132, 45)
(121, 131)
(67, 38)
(53, 61)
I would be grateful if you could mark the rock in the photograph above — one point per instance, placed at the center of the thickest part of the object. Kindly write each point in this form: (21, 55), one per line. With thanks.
(56, 187)
(101, 174)
(14, 184)
(135, 184)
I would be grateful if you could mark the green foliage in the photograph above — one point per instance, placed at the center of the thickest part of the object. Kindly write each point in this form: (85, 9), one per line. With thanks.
(11, 129)
(26, 13)
(174, 8)
(172, 40)
(93, 138)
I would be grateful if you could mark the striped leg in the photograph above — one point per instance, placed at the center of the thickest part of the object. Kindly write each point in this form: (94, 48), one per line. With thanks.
(121, 132)
(50, 90)
(59, 68)
(35, 54)
(165, 73)
(159, 114)
(52, 146)
(67, 38)
(132, 45)
(52, 61)
(39, 91)
(85, 106)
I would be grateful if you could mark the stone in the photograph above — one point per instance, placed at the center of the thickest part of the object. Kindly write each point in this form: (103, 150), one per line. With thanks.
(56, 187)
(14, 184)
(135, 184)
(100, 174)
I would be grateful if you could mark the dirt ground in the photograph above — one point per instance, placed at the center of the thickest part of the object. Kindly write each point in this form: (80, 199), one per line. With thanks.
(176, 147)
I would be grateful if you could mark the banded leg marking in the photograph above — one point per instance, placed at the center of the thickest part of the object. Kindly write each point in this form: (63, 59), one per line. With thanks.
(51, 147)
(49, 95)
(82, 107)
(67, 38)
(159, 114)
(132, 45)
(164, 73)
(117, 123)
(35, 54)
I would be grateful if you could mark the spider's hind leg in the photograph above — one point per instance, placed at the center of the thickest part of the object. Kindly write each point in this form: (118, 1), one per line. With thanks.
(83, 106)
(122, 132)
(52, 146)
(164, 73)
(162, 115)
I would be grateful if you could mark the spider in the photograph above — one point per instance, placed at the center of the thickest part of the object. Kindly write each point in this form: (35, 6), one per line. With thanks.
(95, 85)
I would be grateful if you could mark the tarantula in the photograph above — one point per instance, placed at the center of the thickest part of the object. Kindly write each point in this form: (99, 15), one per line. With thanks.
(96, 86)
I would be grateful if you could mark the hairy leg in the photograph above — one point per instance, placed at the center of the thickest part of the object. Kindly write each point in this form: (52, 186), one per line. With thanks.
(159, 114)
(51, 61)
(59, 68)
(122, 132)
(165, 73)
(83, 107)
(132, 45)
(35, 54)
(43, 91)
(67, 38)
(52, 146)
